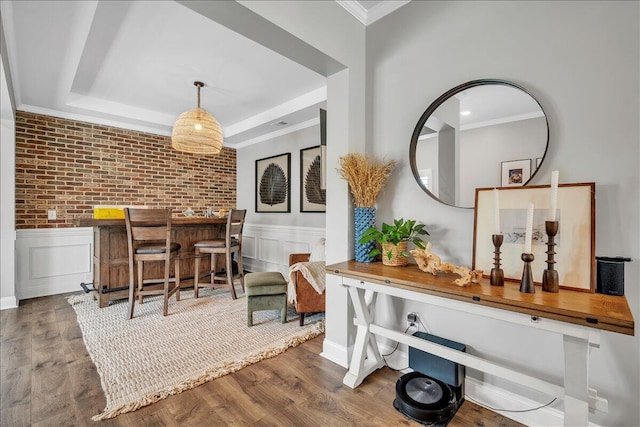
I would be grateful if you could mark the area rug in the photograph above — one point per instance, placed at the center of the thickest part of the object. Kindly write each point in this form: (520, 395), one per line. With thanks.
(151, 357)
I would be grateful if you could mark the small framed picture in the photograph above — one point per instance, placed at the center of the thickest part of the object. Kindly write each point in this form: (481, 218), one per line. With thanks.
(515, 173)
(273, 184)
(312, 195)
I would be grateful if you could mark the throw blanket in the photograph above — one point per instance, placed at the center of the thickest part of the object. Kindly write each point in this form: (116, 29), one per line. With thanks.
(314, 272)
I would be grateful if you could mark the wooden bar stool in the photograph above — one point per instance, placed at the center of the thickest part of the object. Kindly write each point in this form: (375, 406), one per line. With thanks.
(149, 240)
(232, 243)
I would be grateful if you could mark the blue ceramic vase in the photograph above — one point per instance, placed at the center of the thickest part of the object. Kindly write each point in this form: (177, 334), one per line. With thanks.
(364, 218)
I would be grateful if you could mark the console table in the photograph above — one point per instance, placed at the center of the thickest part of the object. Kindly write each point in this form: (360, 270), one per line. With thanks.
(111, 259)
(578, 316)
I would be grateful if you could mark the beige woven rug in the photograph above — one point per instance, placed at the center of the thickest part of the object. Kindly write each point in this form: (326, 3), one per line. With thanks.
(151, 357)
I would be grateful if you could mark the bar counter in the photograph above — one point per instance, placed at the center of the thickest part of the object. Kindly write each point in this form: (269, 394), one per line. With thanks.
(111, 258)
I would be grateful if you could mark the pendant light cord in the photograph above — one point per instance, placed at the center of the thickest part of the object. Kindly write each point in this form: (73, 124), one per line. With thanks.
(198, 85)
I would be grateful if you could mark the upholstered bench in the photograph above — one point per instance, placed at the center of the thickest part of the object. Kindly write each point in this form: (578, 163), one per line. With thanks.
(265, 291)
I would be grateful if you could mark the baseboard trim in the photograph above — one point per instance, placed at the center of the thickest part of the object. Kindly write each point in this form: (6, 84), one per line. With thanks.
(55, 287)
(8, 302)
(335, 353)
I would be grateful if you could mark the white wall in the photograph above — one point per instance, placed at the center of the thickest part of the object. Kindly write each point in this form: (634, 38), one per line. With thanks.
(246, 192)
(7, 216)
(581, 61)
(7, 195)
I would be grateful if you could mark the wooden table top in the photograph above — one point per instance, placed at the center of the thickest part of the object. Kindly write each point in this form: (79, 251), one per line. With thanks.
(606, 312)
(176, 220)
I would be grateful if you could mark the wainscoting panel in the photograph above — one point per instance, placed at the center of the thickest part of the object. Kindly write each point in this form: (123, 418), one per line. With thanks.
(267, 247)
(52, 261)
(291, 247)
(56, 260)
(248, 247)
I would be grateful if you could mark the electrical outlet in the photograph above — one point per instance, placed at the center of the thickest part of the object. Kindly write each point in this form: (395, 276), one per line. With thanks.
(51, 214)
(412, 318)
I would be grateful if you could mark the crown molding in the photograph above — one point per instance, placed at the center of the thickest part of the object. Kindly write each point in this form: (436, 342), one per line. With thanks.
(367, 17)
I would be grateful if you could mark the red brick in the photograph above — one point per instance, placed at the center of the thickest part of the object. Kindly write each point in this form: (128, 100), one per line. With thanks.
(91, 164)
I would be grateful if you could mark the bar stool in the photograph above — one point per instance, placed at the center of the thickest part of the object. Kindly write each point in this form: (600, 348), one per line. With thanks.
(232, 243)
(149, 240)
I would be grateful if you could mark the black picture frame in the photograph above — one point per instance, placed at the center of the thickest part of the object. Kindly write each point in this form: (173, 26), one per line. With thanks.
(312, 195)
(273, 184)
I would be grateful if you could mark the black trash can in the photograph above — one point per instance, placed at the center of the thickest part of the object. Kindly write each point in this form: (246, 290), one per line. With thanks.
(611, 275)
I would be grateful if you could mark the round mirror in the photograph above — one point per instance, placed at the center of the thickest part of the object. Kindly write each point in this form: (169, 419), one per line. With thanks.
(484, 133)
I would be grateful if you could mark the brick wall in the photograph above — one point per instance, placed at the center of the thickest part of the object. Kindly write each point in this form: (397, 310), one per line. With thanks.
(70, 166)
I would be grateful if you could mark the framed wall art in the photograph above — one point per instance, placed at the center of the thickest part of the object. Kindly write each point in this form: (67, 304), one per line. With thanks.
(312, 195)
(273, 184)
(575, 241)
(515, 173)
(538, 162)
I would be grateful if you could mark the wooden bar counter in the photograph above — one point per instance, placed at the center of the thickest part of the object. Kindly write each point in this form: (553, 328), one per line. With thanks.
(110, 257)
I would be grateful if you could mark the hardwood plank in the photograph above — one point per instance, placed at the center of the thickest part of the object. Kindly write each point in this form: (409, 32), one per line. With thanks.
(60, 419)
(4, 317)
(18, 323)
(15, 352)
(15, 387)
(190, 407)
(16, 416)
(231, 403)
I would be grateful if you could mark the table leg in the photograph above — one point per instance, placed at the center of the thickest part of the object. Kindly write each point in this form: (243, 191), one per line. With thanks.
(366, 357)
(576, 381)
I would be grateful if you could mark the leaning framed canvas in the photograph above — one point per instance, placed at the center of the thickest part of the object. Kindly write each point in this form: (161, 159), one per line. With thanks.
(575, 241)
(273, 184)
(515, 173)
(312, 195)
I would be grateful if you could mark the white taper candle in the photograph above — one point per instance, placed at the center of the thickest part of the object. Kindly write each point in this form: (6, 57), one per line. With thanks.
(529, 230)
(496, 211)
(554, 196)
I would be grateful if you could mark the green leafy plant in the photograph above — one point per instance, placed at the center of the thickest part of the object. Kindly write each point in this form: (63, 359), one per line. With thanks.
(400, 231)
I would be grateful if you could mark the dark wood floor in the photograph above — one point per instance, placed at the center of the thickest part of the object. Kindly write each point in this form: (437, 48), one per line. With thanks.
(47, 379)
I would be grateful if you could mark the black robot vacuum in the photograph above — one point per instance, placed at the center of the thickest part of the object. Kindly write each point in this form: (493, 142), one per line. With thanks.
(425, 399)
(433, 392)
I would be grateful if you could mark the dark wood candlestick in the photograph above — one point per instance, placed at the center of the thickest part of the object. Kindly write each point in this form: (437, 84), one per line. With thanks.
(526, 285)
(550, 281)
(497, 274)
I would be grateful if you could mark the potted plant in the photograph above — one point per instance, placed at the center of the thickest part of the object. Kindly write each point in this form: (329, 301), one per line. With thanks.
(393, 240)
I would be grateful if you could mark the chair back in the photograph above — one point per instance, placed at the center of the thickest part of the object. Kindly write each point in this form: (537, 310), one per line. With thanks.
(235, 223)
(147, 225)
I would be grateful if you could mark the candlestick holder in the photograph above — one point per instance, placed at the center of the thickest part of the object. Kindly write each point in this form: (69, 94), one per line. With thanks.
(526, 285)
(497, 274)
(550, 281)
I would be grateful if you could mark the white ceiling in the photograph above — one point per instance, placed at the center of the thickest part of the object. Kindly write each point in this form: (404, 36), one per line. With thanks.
(132, 64)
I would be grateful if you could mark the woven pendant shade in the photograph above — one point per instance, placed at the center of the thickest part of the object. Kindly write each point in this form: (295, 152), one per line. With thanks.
(196, 131)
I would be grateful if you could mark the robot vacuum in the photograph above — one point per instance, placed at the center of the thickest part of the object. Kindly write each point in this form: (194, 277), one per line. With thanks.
(425, 399)
(433, 392)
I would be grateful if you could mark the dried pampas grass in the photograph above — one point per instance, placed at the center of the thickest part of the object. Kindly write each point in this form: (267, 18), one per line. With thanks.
(366, 177)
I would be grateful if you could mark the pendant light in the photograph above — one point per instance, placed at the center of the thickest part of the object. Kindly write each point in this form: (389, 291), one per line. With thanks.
(196, 131)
